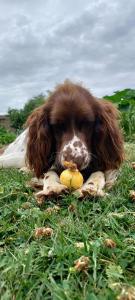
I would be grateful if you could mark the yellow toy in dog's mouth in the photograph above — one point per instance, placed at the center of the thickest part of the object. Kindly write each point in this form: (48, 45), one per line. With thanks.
(71, 177)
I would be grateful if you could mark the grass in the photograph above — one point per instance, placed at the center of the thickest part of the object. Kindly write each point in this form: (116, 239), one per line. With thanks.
(6, 136)
(41, 268)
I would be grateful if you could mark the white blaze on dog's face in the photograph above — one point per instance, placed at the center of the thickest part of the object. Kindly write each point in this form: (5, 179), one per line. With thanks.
(75, 150)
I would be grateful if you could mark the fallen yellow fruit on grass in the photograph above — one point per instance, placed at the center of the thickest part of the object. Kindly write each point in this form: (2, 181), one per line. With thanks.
(71, 177)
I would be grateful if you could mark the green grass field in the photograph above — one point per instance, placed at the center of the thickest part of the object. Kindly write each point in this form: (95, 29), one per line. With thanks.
(42, 268)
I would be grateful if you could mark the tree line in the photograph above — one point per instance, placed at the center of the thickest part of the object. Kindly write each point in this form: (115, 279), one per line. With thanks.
(124, 100)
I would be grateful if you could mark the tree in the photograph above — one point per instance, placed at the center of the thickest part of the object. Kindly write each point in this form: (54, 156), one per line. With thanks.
(19, 116)
(125, 101)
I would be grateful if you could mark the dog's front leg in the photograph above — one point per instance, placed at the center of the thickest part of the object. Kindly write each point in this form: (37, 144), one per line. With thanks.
(110, 178)
(51, 185)
(93, 186)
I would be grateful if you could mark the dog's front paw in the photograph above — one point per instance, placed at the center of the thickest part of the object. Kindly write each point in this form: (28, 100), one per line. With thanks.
(93, 186)
(89, 189)
(52, 190)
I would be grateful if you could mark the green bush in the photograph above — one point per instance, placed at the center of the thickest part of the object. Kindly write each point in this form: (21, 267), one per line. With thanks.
(6, 136)
(125, 101)
(128, 123)
(19, 116)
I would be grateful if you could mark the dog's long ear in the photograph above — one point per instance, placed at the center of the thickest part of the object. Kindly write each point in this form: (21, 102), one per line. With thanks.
(40, 145)
(108, 140)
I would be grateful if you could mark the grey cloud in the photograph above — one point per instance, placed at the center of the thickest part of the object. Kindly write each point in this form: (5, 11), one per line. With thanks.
(42, 44)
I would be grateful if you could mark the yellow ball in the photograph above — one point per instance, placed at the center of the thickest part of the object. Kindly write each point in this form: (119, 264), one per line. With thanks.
(71, 178)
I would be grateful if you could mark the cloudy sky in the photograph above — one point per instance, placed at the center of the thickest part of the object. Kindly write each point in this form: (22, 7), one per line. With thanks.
(46, 41)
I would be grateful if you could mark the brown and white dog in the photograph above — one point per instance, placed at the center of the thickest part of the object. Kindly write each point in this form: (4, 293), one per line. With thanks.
(74, 126)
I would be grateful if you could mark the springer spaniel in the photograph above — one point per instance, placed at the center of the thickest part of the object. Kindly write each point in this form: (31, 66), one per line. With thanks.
(74, 126)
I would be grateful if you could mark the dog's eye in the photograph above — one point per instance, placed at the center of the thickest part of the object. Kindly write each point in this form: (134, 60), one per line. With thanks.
(87, 123)
(80, 125)
(84, 124)
(59, 127)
